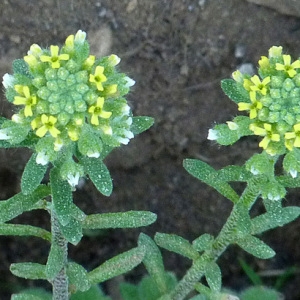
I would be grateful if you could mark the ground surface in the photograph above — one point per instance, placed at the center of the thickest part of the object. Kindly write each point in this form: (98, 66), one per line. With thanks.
(177, 51)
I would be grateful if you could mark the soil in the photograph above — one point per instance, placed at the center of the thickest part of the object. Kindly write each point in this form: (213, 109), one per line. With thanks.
(177, 51)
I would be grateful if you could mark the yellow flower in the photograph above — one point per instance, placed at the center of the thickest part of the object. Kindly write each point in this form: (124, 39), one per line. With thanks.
(47, 124)
(96, 111)
(98, 77)
(27, 99)
(267, 132)
(264, 62)
(89, 62)
(255, 84)
(293, 138)
(54, 59)
(287, 66)
(254, 106)
(275, 51)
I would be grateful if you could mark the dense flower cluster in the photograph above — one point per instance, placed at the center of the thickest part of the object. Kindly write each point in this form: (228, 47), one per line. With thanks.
(67, 98)
(272, 101)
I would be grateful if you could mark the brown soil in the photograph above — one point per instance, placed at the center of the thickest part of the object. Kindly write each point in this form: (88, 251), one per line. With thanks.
(177, 51)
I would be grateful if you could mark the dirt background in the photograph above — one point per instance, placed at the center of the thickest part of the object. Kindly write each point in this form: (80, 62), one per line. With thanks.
(177, 51)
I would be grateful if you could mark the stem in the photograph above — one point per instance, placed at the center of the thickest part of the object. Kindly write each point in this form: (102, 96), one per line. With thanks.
(227, 236)
(60, 282)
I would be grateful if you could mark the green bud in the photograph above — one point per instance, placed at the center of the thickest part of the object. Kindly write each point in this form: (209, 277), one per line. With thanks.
(275, 93)
(51, 74)
(288, 84)
(62, 73)
(276, 82)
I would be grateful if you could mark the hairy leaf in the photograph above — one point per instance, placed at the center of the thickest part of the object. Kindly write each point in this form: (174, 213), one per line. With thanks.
(117, 265)
(77, 276)
(56, 261)
(19, 203)
(213, 276)
(140, 124)
(61, 197)
(29, 270)
(153, 262)
(234, 91)
(99, 174)
(130, 219)
(32, 175)
(177, 244)
(256, 247)
(24, 230)
(209, 175)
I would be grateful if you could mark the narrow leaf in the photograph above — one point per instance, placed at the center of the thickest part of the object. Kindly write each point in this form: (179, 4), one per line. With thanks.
(72, 231)
(140, 124)
(117, 265)
(234, 91)
(153, 262)
(32, 294)
(61, 197)
(209, 175)
(234, 173)
(213, 276)
(19, 203)
(177, 244)
(32, 175)
(130, 219)
(99, 174)
(256, 247)
(29, 270)
(77, 276)
(56, 261)
(273, 219)
(24, 230)
(203, 242)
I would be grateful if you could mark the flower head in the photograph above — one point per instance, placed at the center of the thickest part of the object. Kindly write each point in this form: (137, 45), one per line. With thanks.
(68, 99)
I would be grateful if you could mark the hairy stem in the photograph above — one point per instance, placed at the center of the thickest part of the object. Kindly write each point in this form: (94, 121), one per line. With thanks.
(227, 236)
(60, 282)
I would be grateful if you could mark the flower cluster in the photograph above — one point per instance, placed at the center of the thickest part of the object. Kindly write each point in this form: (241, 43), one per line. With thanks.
(67, 98)
(272, 101)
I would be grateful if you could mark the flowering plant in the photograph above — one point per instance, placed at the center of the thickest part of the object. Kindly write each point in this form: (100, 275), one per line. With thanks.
(72, 111)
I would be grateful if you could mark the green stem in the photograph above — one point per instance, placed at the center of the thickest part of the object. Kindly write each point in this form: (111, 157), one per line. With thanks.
(60, 282)
(227, 236)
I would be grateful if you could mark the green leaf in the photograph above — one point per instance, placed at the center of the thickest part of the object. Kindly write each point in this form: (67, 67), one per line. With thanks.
(234, 91)
(209, 175)
(99, 174)
(19, 66)
(61, 197)
(177, 244)
(129, 291)
(32, 294)
(252, 275)
(260, 292)
(274, 218)
(94, 293)
(256, 247)
(72, 231)
(117, 265)
(77, 276)
(153, 262)
(19, 203)
(234, 173)
(129, 219)
(203, 242)
(32, 175)
(24, 230)
(29, 270)
(140, 124)
(55, 262)
(213, 276)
